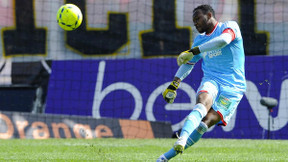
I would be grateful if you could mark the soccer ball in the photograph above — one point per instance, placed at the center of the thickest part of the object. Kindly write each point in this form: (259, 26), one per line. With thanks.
(69, 17)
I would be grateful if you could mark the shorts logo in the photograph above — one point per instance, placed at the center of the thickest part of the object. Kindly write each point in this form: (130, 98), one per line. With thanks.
(224, 102)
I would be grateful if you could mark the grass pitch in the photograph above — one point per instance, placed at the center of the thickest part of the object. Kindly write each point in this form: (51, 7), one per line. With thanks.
(110, 149)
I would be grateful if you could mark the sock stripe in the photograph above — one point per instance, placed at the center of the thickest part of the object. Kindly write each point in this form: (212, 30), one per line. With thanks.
(202, 128)
(201, 109)
(190, 141)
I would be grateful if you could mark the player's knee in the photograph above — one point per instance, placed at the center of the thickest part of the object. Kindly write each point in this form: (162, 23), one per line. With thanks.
(205, 99)
(201, 109)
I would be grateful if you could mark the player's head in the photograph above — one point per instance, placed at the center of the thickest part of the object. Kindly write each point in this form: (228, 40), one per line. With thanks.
(204, 18)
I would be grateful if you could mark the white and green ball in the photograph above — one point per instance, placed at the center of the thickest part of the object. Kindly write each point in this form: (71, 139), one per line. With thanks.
(69, 17)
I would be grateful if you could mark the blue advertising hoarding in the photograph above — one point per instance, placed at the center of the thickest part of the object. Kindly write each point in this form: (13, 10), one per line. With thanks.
(131, 89)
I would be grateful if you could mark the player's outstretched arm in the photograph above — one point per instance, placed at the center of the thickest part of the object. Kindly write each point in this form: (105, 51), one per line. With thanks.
(221, 41)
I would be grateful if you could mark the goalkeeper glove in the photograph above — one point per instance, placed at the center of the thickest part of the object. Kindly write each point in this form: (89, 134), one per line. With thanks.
(170, 92)
(186, 56)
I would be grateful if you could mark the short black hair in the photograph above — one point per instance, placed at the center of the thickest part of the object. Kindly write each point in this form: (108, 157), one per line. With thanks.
(205, 9)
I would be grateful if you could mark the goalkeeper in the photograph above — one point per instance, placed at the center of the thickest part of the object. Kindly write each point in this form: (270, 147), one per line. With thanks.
(220, 46)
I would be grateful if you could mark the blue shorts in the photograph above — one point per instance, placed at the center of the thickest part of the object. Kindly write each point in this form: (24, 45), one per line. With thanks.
(225, 98)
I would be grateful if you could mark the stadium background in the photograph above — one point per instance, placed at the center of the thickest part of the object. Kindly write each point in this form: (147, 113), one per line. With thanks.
(105, 78)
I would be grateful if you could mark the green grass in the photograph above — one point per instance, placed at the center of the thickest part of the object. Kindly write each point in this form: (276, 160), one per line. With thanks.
(110, 149)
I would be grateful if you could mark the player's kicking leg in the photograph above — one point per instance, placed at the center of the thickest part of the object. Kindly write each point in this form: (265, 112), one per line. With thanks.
(212, 118)
(192, 139)
(204, 103)
(193, 120)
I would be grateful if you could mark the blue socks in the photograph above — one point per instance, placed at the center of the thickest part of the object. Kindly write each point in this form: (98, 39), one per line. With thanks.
(196, 135)
(193, 138)
(193, 120)
(170, 154)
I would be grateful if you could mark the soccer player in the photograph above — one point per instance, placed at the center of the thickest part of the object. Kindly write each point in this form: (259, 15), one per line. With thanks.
(220, 46)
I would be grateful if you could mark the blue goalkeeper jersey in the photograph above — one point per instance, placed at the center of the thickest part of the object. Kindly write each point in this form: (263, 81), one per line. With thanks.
(225, 65)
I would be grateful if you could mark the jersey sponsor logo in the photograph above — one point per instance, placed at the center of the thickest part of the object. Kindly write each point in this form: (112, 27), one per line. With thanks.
(214, 53)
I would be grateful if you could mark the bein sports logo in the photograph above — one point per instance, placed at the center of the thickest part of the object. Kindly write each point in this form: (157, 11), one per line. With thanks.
(252, 95)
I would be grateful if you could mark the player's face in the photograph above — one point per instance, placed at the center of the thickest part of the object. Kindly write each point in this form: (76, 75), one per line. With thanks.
(200, 21)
